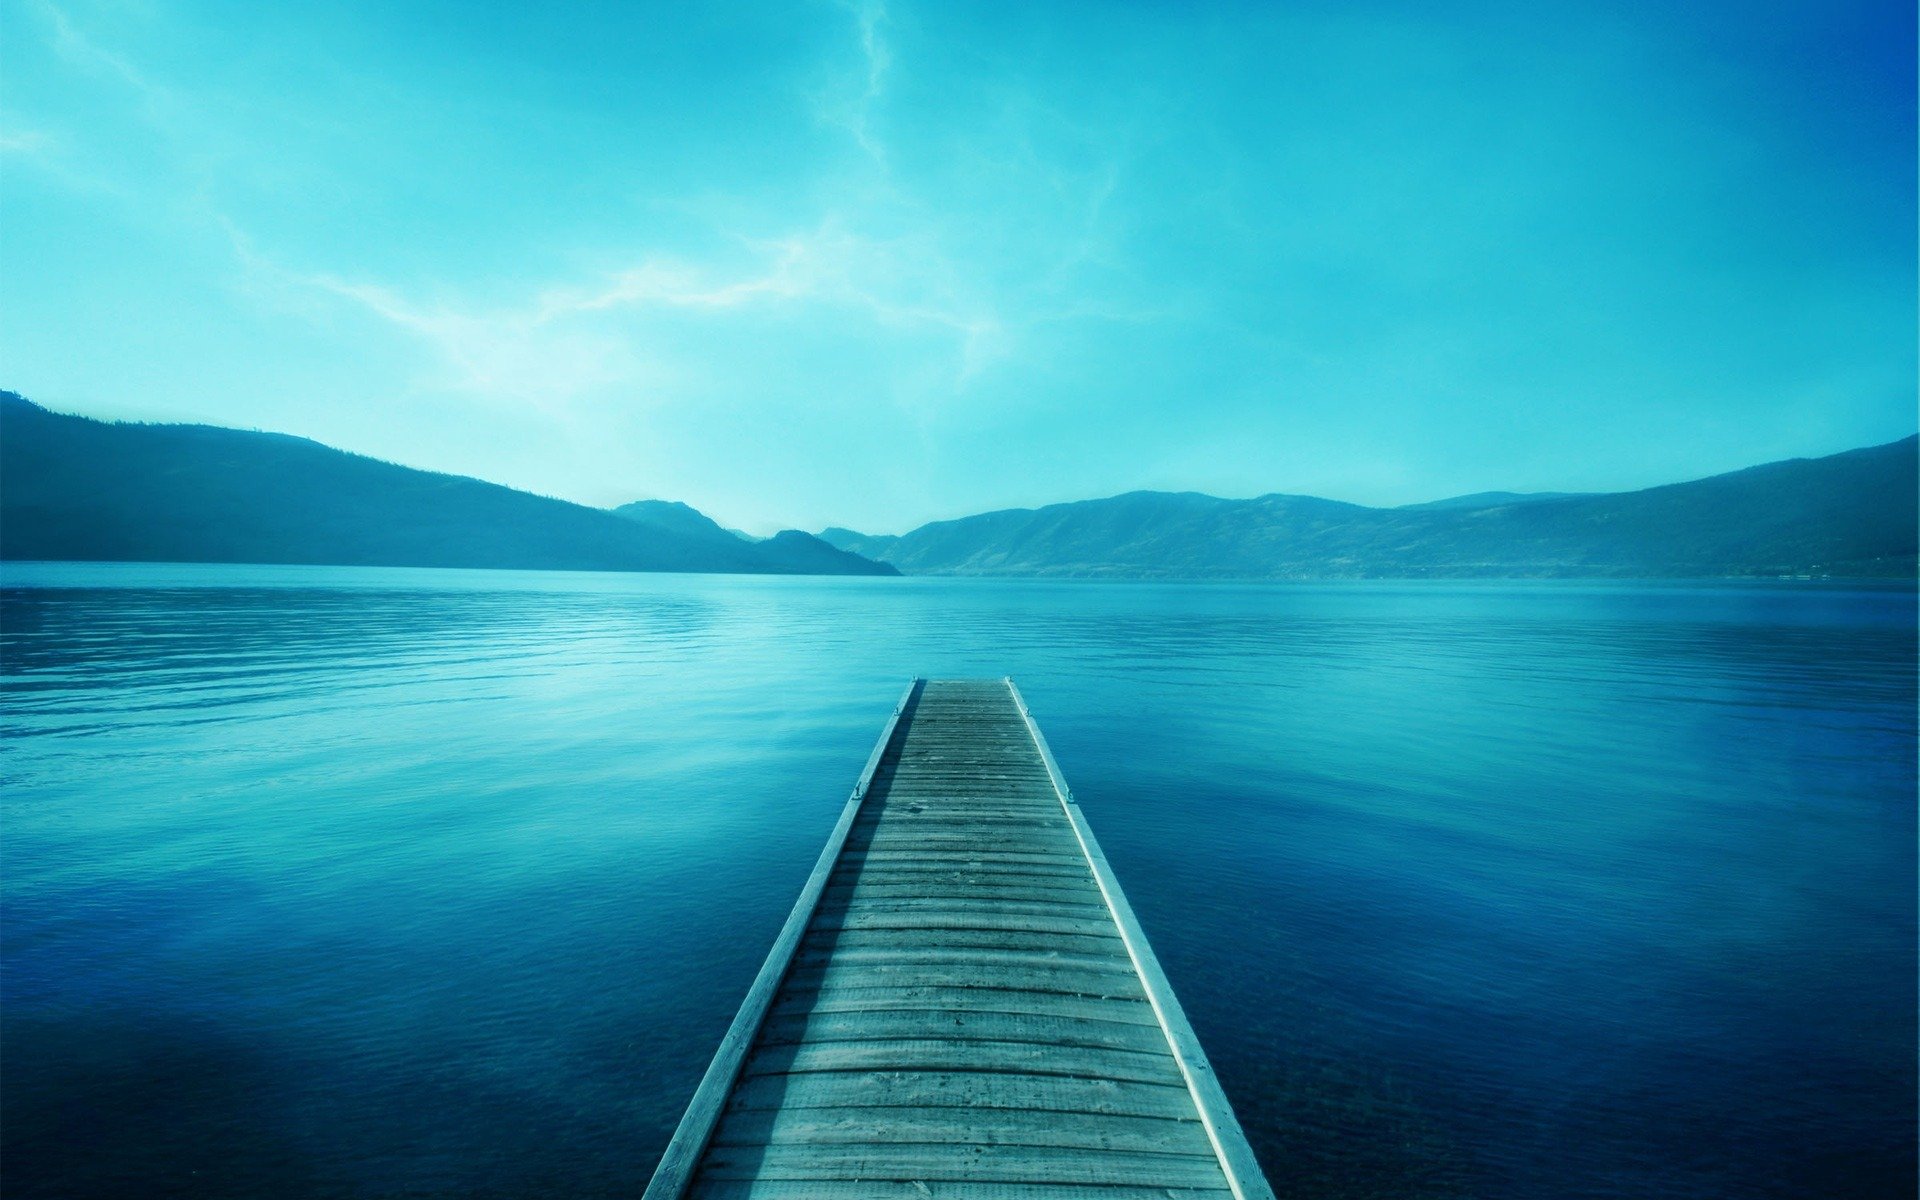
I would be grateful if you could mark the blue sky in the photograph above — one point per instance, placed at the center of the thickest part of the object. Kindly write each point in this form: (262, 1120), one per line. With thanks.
(876, 263)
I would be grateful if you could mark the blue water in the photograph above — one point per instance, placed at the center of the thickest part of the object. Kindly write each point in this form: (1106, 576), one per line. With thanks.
(393, 883)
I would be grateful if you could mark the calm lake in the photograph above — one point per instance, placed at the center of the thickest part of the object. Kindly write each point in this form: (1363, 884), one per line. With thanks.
(382, 883)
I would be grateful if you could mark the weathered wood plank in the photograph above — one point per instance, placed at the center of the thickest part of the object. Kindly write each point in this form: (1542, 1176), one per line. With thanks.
(983, 909)
(960, 1025)
(946, 815)
(914, 873)
(948, 917)
(1058, 860)
(972, 939)
(959, 1054)
(959, 1161)
(1035, 977)
(931, 826)
(984, 962)
(914, 869)
(963, 890)
(787, 1189)
(1058, 839)
(913, 788)
(993, 1127)
(873, 883)
(867, 998)
(964, 1090)
(910, 781)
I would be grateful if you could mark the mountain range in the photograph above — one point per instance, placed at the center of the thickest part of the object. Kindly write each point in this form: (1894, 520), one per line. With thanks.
(1845, 515)
(80, 489)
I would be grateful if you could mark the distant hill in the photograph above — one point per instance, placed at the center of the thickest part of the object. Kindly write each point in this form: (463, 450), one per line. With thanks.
(671, 516)
(79, 489)
(1848, 515)
(791, 550)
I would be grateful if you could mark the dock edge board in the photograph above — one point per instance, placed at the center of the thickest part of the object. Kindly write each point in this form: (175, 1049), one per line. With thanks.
(690, 1137)
(1243, 1171)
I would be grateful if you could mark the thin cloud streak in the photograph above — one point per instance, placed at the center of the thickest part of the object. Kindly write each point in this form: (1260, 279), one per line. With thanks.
(552, 346)
(850, 106)
(83, 51)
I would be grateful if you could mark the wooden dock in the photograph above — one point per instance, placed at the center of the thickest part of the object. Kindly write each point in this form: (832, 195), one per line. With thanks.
(961, 1003)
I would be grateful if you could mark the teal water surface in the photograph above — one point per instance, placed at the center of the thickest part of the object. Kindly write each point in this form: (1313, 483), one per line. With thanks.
(380, 883)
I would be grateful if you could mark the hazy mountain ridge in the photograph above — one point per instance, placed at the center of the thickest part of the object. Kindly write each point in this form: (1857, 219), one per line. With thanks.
(671, 516)
(80, 489)
(1849, 514)
(795, 550)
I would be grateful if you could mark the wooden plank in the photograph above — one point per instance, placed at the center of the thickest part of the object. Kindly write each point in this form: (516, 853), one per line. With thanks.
(1075, 980)
(956, 928)
(1026, 804)
(921, 870)
(905, 781)
(962, 1024)
(1058, 842)
(959, 1161)
(914, 787)
(926, 872)
(855, 859)
(939, 818)
(876, 1189)
(872, 998)
(965, 1090)
(930, 829)
(1031, 800)
(964, 890)
(987, 964)
(993, 1127)
(880, 883)
(958, 1054)
(989, 770)
(984, 962)
(939, 812)
(869, 917)
(979, 906)
(974, 939)
(1047, 860)
(962, 818)
(906, 777)
(1023, 837)
(999, 757)
(978, 841)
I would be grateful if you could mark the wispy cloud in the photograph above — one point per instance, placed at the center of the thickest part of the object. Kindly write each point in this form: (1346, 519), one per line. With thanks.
(74, 45)
(150, 165)
(851, 103)
(566, 340)
(506, 355)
